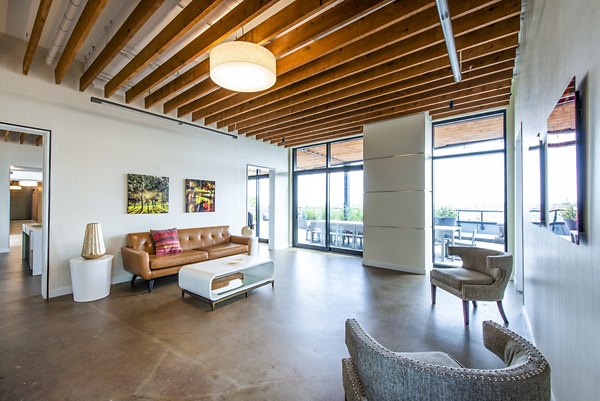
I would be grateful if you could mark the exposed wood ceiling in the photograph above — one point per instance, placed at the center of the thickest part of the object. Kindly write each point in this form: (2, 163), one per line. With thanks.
(22, 138)
(481, 129)
(340, 64)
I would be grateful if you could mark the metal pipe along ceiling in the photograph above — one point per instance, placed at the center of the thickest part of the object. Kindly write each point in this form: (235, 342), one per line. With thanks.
(63, 30)
(444, 12)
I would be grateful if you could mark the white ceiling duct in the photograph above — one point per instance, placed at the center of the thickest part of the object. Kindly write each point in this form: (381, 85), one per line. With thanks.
(63, 30)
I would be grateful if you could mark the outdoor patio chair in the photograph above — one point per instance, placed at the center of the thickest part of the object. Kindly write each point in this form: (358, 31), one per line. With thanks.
(483, 276)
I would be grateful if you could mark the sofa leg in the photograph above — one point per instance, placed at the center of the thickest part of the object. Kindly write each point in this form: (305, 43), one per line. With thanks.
(433, 288)
(466, 312)
(501, 309)
(150, 285)
(474, 304)
(133, 279)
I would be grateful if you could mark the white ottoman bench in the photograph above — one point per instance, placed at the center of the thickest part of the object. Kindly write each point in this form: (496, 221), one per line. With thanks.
(196, 279)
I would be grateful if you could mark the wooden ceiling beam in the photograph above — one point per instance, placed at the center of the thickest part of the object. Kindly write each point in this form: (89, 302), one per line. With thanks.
(136, 20)
(90, 14)
(282, 140)
(482, 19)
(373, 90)
(38, 140)
(36, 33)
(224, 27)
(394, 112)
(22, 138)
(500, 88)
(382, 20)
(465, 88)
(291, 15)
(308, 139)
(317, 90)
(297, 37)
(321, 138)
(373, 81)
(465, 109)
(187, 18)
(436, 105)
(385, 20)
(6, 135)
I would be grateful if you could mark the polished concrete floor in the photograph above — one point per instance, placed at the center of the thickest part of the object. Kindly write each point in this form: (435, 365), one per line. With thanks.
(284, 343)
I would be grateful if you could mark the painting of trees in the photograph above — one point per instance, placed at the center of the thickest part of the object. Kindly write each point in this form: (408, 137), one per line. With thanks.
(199, 196)
(147, 194)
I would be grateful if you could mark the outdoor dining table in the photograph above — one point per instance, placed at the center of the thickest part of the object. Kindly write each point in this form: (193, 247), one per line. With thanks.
(339, 228)
(449, 230)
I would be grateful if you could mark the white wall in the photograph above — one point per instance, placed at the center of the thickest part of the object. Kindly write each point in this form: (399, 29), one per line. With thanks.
(17, 155)
(562, 280)
(397, 200)
(95, 146)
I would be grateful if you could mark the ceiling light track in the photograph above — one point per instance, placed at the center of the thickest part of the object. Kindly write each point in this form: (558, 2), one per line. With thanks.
(97, 100)
(444, 12)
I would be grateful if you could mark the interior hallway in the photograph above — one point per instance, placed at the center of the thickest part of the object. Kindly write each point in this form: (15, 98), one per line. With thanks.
(16, 233)
(284, 343)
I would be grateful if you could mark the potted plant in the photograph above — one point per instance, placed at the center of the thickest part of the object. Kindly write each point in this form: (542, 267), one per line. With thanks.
(445, 216)
(569, 215)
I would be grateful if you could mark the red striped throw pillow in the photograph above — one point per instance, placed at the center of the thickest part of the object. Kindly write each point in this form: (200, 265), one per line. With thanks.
(166, 241)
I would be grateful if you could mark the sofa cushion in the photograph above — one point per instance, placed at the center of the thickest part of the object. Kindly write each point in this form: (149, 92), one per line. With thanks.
(458, 276)
(222, 250)
(196, 238)
(166, 241)
(177, 259)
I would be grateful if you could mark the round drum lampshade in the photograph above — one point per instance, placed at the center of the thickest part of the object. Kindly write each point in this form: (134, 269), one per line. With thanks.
(242, 66)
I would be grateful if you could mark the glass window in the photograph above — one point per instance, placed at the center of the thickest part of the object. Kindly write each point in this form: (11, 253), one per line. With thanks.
(311, 157)
(346, 153)
(469, 136)
(469, 186)
(328, 196)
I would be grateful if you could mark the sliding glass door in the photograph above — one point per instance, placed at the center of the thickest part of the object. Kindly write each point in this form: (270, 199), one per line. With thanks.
(346, 209)
(469, 182)
(310, 212)
(328, 196)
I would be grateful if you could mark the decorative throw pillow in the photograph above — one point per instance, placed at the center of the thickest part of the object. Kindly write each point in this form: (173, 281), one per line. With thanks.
(166, 241)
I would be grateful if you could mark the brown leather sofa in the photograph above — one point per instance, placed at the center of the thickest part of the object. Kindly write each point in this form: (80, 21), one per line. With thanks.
(198, 244)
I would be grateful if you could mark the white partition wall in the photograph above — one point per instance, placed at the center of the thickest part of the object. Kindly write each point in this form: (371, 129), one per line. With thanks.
(397, 200)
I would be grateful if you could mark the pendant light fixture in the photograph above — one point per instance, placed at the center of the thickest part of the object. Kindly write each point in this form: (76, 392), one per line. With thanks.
(242, 66)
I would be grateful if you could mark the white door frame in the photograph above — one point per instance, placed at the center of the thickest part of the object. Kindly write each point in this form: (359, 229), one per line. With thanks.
(271, 239)
(46, 146)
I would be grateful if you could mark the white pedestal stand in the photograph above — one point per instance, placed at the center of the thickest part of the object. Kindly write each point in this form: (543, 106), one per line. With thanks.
(90, 278)
(254, 251)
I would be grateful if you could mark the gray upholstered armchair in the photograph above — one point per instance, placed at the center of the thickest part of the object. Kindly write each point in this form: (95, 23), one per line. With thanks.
(375, 373)
(483, 276)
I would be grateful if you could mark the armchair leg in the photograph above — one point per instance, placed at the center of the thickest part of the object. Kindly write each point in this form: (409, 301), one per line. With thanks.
(501, 309)
(433, 288)
(133, 279)
(150, 285)
(474, 304)
(466, 312)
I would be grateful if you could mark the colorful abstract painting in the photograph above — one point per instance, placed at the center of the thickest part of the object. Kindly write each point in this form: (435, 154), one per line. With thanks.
(199, 196)
(147, 194)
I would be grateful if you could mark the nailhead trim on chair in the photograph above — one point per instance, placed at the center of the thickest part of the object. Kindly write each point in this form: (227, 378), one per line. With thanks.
(505, 374)
(353, 383)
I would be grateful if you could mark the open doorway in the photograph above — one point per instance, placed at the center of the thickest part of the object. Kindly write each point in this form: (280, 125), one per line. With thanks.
(24, 193)
(258, 201)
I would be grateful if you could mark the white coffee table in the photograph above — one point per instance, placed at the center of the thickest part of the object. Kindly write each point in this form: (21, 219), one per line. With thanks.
(196, 279)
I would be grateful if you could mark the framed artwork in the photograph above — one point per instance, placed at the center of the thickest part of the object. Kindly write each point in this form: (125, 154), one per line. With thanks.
(147, 194)
(199, 196)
